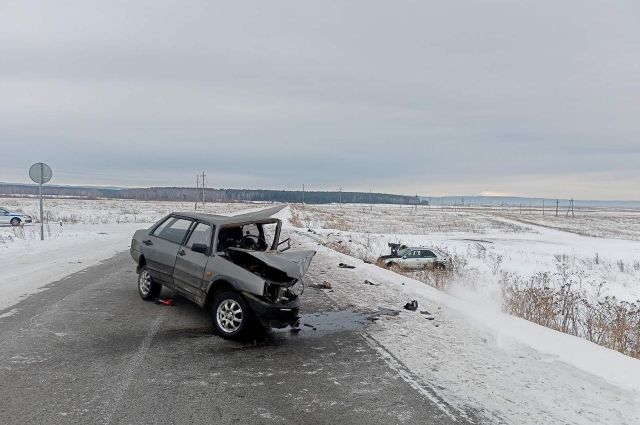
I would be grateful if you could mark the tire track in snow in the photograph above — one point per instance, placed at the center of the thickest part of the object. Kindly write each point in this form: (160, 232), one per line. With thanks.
(128, 372)
(403, 372)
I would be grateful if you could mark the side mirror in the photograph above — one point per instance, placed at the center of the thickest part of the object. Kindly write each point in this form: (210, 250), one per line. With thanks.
(200, 247)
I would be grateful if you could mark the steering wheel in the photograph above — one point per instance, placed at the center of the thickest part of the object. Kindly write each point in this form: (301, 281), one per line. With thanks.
(250, 243)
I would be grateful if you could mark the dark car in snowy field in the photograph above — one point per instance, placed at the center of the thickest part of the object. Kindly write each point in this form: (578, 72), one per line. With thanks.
(13, 218)
(235, 266)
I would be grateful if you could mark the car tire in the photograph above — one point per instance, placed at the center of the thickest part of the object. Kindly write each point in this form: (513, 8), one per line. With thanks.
(231, 315)
(391, 265)
(147, 288)
(15, 222)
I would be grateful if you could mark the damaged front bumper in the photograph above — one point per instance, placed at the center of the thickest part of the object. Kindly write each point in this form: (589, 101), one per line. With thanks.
(274, 315)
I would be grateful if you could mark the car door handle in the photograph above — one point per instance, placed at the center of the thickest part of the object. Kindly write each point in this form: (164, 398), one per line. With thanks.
(181, 252)
(147, 242)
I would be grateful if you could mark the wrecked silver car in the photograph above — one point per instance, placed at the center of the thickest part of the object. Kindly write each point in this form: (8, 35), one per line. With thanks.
(416, 258)
(235, 266)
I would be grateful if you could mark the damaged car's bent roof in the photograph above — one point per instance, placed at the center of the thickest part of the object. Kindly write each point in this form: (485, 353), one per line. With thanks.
(223, 220)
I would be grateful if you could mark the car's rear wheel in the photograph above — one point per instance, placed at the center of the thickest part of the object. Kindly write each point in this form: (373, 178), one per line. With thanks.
(231, 315)
(147, 288)
(15, 221)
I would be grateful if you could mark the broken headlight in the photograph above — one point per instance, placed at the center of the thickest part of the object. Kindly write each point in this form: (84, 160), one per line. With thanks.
(278, 293)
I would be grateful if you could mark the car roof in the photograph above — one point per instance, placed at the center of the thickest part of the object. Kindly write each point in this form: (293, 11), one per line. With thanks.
(265, 215)
(424, 247)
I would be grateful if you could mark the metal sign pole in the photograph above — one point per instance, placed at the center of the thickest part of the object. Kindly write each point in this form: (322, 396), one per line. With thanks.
(40, 173)
(41, 216)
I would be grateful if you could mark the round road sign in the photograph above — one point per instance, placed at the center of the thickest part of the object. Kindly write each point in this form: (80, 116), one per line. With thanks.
(40, 173)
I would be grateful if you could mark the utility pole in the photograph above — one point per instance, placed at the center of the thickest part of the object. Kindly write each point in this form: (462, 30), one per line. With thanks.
(340, 191)
(571, 209)
(195, 207)
(557, 205)
(203, 188)
(303, 194)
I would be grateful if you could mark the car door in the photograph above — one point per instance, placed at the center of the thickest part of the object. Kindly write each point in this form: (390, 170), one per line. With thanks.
(188, 274)
(4, 216)
(161, 247)
(411, 260)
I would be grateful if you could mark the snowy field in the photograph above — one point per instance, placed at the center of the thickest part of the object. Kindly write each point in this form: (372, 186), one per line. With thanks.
(472, 354)
(621, 224)
(488, 245)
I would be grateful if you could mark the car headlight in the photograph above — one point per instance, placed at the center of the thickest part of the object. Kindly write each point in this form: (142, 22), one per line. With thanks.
(278, 293)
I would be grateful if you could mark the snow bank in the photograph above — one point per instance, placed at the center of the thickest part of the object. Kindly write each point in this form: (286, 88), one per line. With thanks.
(29, 264)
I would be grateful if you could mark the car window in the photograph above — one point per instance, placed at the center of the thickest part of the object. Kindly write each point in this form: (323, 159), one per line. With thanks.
(201, 234)
(2, 210)
(174, 231)
(428, 254)
(161, 227)
(413, 254)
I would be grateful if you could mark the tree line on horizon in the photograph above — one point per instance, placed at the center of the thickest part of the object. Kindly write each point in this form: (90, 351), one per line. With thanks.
(190, 194)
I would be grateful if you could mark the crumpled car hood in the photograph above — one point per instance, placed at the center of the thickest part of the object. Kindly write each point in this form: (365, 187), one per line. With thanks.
(293, 263)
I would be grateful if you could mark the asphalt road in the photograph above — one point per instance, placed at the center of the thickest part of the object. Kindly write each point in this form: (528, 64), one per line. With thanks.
(89, 350)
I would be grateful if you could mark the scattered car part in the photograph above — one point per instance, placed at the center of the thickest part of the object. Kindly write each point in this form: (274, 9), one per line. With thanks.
(411, 305)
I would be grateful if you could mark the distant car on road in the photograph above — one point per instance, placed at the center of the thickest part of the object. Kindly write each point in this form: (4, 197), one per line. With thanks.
(13, 218)
(224, 264)
(414, 258)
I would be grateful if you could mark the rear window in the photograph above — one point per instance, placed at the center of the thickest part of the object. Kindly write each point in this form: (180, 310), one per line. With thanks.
(428, 254)
(173, 229)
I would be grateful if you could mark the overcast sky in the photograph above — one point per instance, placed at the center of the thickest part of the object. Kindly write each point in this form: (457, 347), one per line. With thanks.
(537, 98)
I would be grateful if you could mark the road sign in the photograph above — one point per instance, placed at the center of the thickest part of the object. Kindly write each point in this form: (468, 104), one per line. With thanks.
(40, 173)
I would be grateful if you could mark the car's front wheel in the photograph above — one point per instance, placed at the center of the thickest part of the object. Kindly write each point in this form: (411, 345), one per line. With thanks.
(15, 221)
(231, 315)
(147, 288)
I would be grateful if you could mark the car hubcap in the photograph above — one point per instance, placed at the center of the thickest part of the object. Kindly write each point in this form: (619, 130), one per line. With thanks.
(145, 282)
(229, 316)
